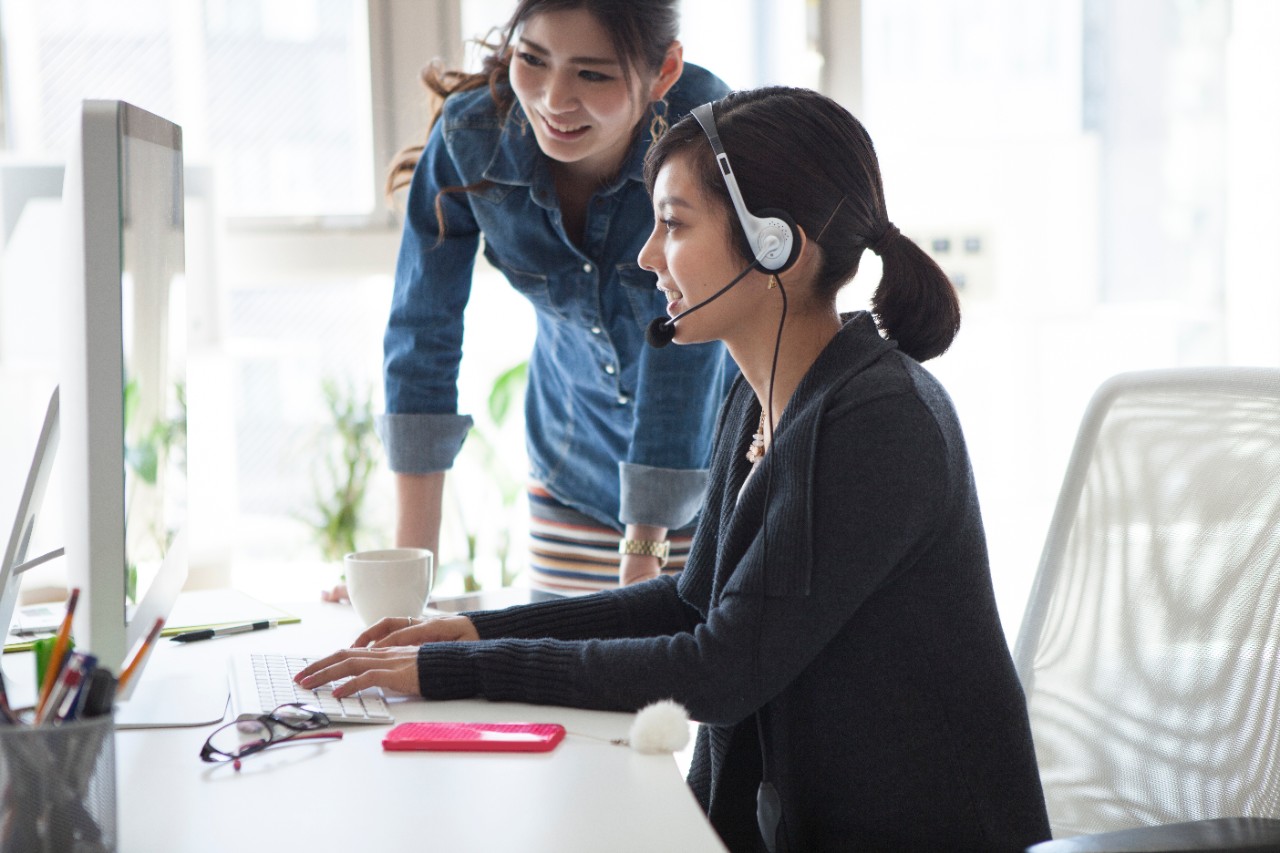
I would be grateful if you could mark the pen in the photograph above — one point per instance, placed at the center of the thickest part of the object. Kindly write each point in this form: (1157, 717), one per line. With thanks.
(210, 633)
(64, 701)
(139, 654)
(59, 652)
(6, 713)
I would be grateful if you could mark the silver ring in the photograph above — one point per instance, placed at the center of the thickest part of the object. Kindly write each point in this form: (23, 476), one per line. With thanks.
(410, 618)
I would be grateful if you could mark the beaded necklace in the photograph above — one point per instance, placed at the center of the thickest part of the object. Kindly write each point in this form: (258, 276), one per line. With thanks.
(755, 452)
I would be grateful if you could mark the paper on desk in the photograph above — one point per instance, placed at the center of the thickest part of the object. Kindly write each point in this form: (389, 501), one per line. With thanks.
(214, 608)
(194, 610)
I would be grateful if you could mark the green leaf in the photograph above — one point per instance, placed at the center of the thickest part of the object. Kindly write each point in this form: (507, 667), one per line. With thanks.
(144, 460)
(507, 388)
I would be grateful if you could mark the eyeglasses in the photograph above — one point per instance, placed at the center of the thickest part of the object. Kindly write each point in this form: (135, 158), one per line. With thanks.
(291, 722)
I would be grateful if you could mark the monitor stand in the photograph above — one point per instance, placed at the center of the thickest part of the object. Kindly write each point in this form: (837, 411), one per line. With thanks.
(164, 700)
(168, 696)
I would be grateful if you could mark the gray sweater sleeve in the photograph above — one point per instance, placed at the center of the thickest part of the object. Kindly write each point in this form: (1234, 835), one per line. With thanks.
(640, 610)
(751, 645)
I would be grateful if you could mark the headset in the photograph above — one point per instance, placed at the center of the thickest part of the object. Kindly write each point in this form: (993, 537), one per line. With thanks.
(769, 239)
(771, 235)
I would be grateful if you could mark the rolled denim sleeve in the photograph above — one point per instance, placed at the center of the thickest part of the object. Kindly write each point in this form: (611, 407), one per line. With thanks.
(664, 497)
(680, 392)
(421, 430)
(422, 444)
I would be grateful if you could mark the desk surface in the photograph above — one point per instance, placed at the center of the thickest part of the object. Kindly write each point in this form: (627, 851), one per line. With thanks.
(586, 795)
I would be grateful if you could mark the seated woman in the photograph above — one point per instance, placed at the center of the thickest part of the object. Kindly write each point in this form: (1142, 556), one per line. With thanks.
(834, 629)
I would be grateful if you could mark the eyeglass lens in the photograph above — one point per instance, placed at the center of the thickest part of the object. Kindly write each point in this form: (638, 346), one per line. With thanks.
(247, 736)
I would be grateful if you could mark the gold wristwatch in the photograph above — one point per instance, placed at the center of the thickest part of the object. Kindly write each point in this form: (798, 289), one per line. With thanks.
(647, 548)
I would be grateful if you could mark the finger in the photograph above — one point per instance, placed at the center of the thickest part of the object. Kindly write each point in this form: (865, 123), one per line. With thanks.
(366, 679)
(401, 678)
(321, 664)
(403, 637)
(436, 629)
(337, 595)
(378, 630)
(347, 663)
(414, 634)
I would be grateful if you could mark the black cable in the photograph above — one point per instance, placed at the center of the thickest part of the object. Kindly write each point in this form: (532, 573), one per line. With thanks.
(767, 799)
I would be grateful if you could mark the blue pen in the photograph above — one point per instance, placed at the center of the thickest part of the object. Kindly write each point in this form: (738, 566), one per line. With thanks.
(68, 695)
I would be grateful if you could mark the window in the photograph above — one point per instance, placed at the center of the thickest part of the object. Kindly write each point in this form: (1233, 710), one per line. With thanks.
(274, 95)
(1107, 169)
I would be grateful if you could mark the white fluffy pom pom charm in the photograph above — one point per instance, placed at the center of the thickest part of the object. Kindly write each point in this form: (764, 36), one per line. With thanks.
(660, 727)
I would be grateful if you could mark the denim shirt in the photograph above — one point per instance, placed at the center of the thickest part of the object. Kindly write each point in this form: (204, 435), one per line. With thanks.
(615, 428)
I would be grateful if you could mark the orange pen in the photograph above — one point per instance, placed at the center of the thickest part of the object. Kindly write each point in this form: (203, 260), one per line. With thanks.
(139, 654)
(58, 655)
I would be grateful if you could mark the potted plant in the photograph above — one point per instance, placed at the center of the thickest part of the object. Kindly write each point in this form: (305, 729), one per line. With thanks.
(344, 470)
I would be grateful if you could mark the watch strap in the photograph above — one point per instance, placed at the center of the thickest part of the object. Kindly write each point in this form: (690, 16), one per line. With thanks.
(646, 548)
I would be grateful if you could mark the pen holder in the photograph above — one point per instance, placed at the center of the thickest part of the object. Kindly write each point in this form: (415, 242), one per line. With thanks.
(58, 787)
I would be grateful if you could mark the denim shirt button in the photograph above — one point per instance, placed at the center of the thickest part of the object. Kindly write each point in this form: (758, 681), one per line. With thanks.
(586, 267)
(609, 369)
(623, 399)
(595, 330)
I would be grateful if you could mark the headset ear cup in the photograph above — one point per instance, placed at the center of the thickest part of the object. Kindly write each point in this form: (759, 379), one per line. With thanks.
(788, 232)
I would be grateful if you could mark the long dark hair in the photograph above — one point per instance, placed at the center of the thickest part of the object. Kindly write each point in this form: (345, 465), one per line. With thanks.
(802, 152)
(640, 31)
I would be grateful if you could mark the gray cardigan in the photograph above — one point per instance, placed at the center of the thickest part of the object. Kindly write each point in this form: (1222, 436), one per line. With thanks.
(837, 609)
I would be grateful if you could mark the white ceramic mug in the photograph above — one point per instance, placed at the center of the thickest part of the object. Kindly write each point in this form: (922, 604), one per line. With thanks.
(391, 582)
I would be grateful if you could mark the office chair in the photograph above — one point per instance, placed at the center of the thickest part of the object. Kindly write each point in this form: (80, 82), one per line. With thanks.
(1150, 647)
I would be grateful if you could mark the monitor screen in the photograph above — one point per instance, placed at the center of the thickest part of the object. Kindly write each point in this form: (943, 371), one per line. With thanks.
(123, 387)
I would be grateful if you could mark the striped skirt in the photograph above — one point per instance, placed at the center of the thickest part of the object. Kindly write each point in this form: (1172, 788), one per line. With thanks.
(572, 551)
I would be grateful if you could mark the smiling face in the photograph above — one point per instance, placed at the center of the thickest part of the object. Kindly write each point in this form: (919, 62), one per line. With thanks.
(570, 82)
(692, 252)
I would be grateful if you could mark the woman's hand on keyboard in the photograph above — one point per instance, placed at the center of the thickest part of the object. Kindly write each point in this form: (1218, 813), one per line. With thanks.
(394, 669)
(406, 631)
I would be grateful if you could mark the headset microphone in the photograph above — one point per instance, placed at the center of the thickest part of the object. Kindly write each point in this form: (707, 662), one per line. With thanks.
(662, 330)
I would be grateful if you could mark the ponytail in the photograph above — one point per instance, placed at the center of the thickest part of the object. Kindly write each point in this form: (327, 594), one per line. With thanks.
(915, 303)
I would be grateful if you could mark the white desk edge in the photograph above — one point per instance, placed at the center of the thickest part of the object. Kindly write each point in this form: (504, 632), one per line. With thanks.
(586, 795)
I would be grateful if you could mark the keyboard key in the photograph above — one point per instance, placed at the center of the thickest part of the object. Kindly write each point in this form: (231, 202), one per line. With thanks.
(262, 682)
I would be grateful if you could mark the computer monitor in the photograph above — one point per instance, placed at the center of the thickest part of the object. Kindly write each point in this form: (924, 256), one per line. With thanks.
(30, 505)
(122, 380)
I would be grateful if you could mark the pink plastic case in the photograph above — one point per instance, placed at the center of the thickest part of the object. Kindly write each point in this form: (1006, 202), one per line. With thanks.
(474, 737)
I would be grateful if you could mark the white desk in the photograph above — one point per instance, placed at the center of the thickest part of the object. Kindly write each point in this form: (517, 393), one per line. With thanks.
(586, 795)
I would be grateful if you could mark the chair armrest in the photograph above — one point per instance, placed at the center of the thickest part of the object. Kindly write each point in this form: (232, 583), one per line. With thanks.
(1225, 833)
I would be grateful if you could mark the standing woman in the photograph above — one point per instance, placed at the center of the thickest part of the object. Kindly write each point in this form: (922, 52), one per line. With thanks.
(835, 629)
(541, 155)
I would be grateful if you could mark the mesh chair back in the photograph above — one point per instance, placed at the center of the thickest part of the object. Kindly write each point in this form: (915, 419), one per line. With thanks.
(1150, 648)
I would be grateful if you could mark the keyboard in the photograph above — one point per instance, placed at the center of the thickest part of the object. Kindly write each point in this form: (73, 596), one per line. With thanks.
(261, 682)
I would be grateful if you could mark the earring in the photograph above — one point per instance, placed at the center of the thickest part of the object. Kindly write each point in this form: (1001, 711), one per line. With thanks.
(773, 282)
(658, 124)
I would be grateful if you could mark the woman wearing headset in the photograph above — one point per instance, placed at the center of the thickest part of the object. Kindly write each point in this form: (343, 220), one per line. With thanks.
(541, 155)
(835, 628)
